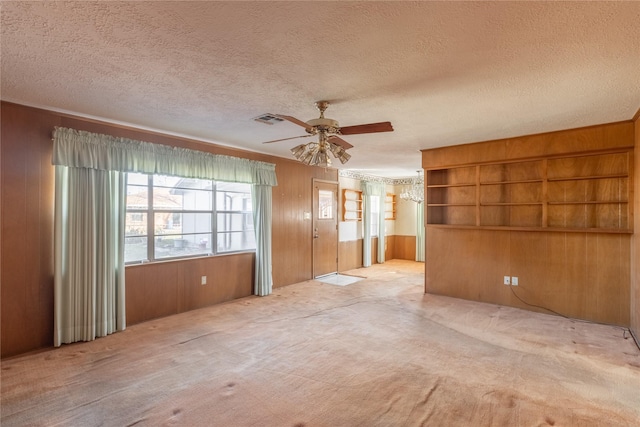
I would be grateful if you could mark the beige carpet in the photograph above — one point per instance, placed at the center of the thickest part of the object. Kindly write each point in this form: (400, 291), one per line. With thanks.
(375, 353)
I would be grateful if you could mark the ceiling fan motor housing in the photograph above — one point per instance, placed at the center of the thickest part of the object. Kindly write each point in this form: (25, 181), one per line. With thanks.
(328, 125)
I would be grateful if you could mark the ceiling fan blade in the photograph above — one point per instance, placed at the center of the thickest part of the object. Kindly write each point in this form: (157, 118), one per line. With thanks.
(339, 141)
(294, 120)
(286, 139)
(368, 128)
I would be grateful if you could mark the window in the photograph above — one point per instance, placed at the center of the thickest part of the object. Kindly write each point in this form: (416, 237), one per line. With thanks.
(325, 204)
(173, 217)
(375, 215)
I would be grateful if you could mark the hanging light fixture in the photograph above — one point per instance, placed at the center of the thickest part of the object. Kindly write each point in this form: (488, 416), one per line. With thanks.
(317, 153)
(415, 192)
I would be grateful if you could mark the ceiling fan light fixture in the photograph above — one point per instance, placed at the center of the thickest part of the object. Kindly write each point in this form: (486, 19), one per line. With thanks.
(328, 131)
(340, 153)
(307, 156)
(336, 149)
(321, 158)
(344, 157)
(298, 151)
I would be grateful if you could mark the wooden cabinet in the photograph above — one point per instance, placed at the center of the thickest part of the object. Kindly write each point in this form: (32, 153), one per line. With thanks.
(588, 192)
(351, 205)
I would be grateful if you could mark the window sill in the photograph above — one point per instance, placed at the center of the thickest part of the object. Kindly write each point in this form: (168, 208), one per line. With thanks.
(188, 258)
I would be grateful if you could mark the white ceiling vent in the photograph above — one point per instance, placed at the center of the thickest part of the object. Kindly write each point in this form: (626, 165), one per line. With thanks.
(268, 119)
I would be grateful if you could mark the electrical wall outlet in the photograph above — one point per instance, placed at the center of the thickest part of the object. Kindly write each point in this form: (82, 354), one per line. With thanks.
(514, 280)
(507, 280)
(203, 280)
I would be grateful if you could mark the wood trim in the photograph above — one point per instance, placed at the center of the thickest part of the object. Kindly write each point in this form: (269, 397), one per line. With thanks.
(533, 229)
(581, 141)
(617, 150)
(636, 116)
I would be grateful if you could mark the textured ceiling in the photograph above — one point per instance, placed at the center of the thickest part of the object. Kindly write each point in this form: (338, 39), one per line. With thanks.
(443, 73)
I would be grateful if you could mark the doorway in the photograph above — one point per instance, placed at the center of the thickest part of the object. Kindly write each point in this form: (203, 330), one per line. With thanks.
(325, 227)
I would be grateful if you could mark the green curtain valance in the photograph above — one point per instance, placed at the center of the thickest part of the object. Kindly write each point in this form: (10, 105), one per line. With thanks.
(81, 149)
(370, 188)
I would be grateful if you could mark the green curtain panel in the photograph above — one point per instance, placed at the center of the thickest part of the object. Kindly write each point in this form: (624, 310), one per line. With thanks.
(89, 254)
(261, 196)
(420, 241)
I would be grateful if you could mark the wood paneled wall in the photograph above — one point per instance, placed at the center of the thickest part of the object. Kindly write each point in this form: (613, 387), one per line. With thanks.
(292, 235)
(635, 261)
(397, 247)
(153, 290)
(26, 203)
(166, 288)
(349, 255)
(579, 274)
(405, 247)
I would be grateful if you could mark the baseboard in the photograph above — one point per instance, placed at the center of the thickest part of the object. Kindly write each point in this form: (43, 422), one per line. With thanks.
(635, 338)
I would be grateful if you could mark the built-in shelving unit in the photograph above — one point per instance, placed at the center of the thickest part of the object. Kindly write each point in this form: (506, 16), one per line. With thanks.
(390, 207)
(587, 192)
(351, 205)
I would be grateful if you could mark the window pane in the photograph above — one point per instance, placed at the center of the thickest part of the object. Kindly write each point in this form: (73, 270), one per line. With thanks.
(236, 241)
(230, 201)
(325, 204)
(375, 214)
(236, 187)
(235, 222)
(165, 181)
(137, 178)
(137, 196)
(135, 248)
(179, 223)
(184, 183)
(170, 192)
(180, 199)
(135, 224)
(165, 198)
(182, 245)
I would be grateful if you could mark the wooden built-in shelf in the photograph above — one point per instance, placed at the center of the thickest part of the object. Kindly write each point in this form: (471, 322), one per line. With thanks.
(450, 185)
(591, 202)
(522, 181)
(512, 204)
(580, 178)
(390, 207)
(351, 205)
(450, 204)
(582, 192)
(559, 229)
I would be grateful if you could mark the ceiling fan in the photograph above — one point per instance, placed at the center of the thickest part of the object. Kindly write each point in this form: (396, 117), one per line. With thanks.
(329, 132)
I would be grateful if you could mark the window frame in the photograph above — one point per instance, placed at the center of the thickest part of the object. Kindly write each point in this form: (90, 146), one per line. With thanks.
(151, 236)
